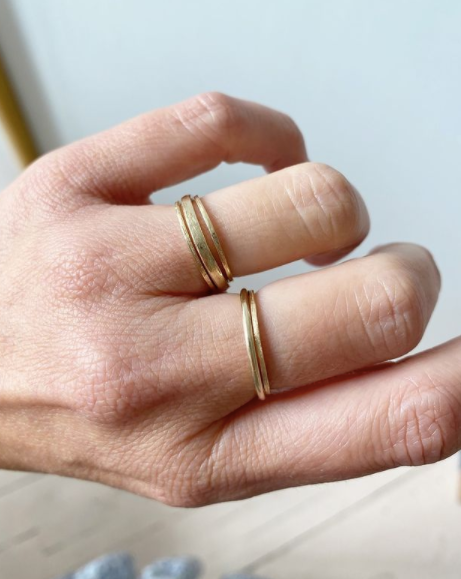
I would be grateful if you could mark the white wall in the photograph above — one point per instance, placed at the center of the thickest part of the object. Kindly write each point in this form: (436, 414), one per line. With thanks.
(375, 86)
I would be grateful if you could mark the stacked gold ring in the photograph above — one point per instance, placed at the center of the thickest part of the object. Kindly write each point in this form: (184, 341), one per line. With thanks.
(211, 261)
(253, 343)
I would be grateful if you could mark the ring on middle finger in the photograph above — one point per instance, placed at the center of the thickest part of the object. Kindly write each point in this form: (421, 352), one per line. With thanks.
(213, 266)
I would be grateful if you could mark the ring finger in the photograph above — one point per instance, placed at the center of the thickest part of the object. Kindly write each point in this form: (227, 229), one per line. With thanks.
(314, 326)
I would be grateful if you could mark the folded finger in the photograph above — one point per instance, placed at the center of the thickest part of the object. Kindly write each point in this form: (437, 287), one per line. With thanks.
(304, 210)
(127, 163)
(263, 223)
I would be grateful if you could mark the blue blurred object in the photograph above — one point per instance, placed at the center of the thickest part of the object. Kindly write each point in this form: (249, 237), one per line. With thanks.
(241, 576)
(173, 568)
(121, 566)
(113, 566)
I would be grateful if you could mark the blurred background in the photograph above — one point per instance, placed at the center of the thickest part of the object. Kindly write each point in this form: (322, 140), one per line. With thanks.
(376, 88)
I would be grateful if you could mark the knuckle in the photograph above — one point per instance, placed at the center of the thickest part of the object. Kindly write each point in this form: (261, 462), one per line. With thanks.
(216, 465)
(293, 132)
(333, 181)
(214, 116)
(113, 378)
(423, 422)
(391, 308)
(80, 272)
(222, 110)
(333, 199)
(184, 494)
(109, 382)
(122, 369)
(186, 477)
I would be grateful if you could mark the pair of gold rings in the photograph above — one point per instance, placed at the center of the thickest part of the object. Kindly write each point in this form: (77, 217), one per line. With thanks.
(211, 261)
(213, 266)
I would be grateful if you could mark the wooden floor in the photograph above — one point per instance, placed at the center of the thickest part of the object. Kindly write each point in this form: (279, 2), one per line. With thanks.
(402, 524)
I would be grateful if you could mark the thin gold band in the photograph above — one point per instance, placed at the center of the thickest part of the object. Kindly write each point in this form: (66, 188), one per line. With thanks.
(214, 269)
(259, 346)
(253, 344)
(201, 245)
(191, 246)
(214, 237)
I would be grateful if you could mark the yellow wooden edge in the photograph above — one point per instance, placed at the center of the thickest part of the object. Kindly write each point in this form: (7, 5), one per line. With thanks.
(13, 121)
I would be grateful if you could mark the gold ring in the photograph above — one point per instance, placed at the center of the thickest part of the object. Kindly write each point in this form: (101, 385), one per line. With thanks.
(253, 343)
(217, 275)
(214, 237)
(195, 255)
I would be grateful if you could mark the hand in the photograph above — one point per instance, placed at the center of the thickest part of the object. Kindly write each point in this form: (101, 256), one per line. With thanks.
(116, 365)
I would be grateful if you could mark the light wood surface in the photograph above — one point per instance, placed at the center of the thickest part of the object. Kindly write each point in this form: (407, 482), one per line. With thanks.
(401, 524)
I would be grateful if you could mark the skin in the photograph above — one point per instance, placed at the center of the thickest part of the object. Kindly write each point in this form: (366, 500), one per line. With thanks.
(117, 366)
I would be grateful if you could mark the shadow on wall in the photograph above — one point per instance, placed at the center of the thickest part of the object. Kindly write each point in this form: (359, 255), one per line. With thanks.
(23, 75)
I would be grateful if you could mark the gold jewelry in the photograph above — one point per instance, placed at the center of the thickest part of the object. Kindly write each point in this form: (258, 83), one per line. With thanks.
(214, 237)
(253, 343)
(216, 276)
(195, 255)
(259, 346)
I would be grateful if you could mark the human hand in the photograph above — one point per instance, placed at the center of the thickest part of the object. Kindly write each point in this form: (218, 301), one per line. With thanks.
(117, 365)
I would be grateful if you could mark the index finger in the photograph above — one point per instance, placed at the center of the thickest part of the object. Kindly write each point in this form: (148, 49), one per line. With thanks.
(158, 149)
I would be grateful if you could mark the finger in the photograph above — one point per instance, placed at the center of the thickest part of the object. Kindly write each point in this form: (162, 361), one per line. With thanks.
(127, 163)
(359, 313)
(314, 326)
(263, 223)
(304, 210)
(402, 414)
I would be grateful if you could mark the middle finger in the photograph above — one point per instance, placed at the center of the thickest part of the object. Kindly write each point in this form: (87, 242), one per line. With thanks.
(296, 213)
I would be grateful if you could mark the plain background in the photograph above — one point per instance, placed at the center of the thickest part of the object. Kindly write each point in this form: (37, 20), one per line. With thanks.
(374, 85)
